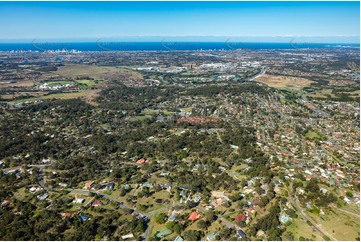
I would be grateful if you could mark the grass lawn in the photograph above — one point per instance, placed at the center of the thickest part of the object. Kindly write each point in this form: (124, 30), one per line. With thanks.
(153, 111)
(162, 195)
(59, 83)
(154, 227)
(140, 118)
(150, 111)
(152, 205)
(340, 225)
(313, 134)
(22, 193)
(115, 195)
(214, 227)
(299, 228)
(324, 93)
(168, 112)
(89, 83)
(186, 109)
(193, 225)
(158, 180)
(232, 215)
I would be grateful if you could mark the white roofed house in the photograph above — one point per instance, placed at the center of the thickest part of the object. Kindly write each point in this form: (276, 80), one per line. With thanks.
(42, 197)
(107, 186)
(323, 190)
(128, 236)
(79, 200)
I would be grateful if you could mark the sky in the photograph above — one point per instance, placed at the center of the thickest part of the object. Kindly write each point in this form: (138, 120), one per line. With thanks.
(79, 20)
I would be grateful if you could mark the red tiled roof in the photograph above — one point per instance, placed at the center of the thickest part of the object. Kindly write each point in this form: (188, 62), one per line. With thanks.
(5, 203)
(241, 217)
(89, 184)
(141, 161)
(97, 203)
(68, 215)
(194, 216)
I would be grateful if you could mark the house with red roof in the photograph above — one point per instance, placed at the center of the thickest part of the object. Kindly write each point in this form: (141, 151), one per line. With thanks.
(5, 203)
(67, 215)
(142, 161)
(241, 217)
(194, 216)
(97, 203)
(251, 210)
(89, 185)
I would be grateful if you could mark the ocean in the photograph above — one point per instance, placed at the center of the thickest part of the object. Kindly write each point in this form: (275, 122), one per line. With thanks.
(162, 46)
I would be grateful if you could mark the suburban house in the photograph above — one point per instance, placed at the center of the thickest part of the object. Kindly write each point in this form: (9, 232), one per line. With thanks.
(43, 197)
(5, 203)
(78, 200)
(241, 217)
(240, 234)
(142, 161)
(107, 186)
(83, 217)
(173, 217)
(128, 236)
(251, 210)
(97, 203)
(89, 185)
(212, 236)
(178, 238)
(67, 215)
(194, 216)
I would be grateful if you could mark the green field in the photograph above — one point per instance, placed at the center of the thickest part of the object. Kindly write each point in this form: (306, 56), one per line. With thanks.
(140, 118)
(314, 134)
(299, 228)
(59, 83)
(89, 83)
(347, 227)
(153, 111)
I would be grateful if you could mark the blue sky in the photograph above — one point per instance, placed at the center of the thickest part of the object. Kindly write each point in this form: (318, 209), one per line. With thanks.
(78, 20)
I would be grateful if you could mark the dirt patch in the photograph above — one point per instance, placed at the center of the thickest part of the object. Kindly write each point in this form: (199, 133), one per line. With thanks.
(284, 81)
(21, 83)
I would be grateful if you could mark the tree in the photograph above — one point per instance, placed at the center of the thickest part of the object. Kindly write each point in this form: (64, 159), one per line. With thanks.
(191, 204)
(122, 192)
(210, 216)
(349, 194)
(312, 186)
(178, 228)
(225, 233)
(170, 225)
(192, 235)
(203, 225)
(161, 218)
(252, 231)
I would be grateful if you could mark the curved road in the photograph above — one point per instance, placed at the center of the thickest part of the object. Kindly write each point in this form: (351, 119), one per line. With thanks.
(263, 71)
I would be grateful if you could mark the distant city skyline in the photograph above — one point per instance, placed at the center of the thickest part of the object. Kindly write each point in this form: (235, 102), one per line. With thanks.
(212, 21)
